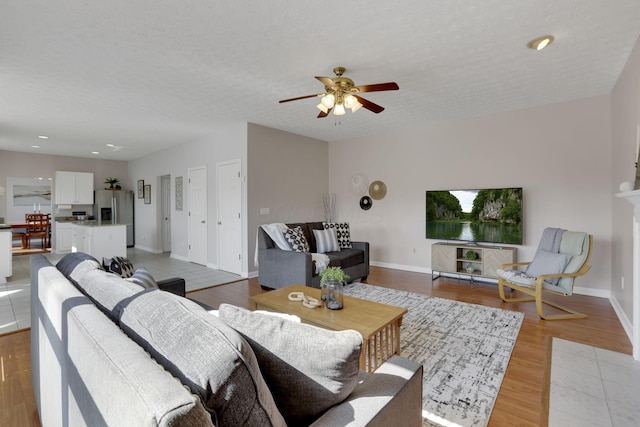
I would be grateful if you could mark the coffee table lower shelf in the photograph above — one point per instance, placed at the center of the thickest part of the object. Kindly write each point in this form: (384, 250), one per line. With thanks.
(379, 324)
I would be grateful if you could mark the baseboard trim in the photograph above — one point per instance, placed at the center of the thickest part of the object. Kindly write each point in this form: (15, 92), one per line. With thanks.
(600, 293)
(144, 248)
(402, 267)
(627, 325)
(179, 257)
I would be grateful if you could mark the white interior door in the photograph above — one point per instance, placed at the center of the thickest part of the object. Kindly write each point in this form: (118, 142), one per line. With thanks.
(197, 228)
(230, 216)
(166, 213)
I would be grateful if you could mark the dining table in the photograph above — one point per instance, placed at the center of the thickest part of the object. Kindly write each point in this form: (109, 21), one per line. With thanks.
(23, 227)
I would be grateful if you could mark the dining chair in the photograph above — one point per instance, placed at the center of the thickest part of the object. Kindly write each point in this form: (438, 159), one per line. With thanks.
(38, 226)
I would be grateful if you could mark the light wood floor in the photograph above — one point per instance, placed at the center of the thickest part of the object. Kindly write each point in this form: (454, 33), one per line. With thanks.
(522, 399)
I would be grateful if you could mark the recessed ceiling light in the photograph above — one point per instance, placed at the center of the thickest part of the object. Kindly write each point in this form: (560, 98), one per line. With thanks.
(43, 137)
(110, 145)
(540, 43)
(35, 146)
(95, 152)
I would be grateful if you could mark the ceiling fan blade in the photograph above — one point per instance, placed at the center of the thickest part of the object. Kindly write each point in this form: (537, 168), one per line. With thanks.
(369, 105)
(379, 87)
(301, 97)
(323, 114)
(326, 81)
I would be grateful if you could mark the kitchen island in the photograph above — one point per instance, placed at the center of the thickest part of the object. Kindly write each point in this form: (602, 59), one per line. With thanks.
(99, 239)
(5, 254)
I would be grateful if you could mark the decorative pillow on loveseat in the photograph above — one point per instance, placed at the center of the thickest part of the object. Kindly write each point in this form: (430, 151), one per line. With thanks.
(326, 241)
(143, 278)
(295, 238)
(342, 232)
(320, 365)
(118, 265)
(206, 354)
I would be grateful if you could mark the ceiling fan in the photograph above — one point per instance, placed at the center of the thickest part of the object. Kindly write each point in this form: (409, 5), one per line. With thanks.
(341, 92)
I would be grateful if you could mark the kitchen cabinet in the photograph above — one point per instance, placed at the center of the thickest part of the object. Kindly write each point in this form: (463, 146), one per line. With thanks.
(100, 241)
(63, 237)
(73, 188)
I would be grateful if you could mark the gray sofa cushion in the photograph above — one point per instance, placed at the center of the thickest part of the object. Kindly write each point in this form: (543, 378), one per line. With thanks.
(107, 290)
(209, 357)
(75, 264)
(308, 369)
(117, 383)
(346, 258)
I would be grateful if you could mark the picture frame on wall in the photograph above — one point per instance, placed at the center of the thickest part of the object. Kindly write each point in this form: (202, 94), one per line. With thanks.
(147, 194)
(141, 189)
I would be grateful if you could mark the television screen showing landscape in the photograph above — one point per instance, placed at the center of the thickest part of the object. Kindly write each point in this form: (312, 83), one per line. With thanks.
(485, 215)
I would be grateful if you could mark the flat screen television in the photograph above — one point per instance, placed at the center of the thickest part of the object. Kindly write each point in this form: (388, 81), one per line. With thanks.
(491, 215)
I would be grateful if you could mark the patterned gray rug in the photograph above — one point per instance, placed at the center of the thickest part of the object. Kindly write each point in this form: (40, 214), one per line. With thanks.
(464, 348)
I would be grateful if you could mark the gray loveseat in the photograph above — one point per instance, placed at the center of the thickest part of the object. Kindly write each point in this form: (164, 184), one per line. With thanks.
(279, 268)
(106, 351)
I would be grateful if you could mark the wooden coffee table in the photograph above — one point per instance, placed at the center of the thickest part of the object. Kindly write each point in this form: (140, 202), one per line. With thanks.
(379, 324)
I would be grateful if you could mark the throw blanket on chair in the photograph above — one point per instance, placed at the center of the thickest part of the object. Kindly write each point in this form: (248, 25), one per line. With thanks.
(550, 240)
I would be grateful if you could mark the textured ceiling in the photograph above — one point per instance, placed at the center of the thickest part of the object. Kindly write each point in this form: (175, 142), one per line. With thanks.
(148, 74)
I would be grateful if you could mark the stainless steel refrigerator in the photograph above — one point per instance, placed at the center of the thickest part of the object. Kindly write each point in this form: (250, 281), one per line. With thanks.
(115, 207)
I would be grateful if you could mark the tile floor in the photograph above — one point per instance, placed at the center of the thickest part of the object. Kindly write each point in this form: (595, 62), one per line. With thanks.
(15, 294)
(592, 387)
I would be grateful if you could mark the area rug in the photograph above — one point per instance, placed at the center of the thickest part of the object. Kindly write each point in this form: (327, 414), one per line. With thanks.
(464, 349)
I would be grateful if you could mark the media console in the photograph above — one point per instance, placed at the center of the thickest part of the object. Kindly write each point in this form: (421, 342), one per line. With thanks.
(455, 259)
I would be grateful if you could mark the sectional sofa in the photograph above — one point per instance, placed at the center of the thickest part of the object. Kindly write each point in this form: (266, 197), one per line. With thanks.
(107, 351)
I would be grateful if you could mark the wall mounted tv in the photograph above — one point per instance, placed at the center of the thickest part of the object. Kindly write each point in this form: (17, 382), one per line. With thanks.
(492, 215)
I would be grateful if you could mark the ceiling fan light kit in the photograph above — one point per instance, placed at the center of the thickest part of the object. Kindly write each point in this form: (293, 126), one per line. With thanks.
(341, 93)
(540, 42)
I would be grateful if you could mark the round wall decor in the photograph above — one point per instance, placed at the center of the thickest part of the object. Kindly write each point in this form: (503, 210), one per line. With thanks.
(365, 203)
(359, 184)
(378, 190)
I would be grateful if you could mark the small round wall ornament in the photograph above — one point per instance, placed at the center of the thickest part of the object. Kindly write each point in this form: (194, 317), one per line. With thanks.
(378, 190)
(365, 203)
(359, 184)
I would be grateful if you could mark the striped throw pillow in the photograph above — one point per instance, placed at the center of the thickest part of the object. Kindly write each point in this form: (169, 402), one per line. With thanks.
(326, 241)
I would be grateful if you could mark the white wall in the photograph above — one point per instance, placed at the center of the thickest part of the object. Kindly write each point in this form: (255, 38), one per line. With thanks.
(560, 154)
(288, 175)
(625, 121)
(226, 143)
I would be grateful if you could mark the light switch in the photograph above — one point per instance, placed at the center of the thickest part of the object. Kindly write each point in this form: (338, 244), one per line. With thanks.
(264, 211)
